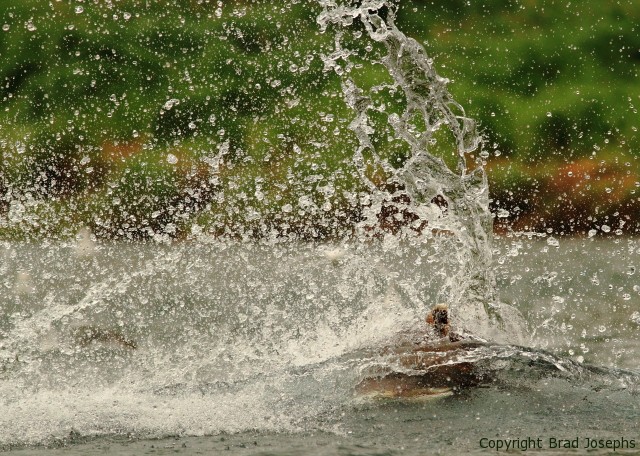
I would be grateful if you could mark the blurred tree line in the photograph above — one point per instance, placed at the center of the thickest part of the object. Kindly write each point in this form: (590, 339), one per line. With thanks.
(163, 119)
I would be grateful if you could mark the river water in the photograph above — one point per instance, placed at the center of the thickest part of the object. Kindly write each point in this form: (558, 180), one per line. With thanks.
(196, 347)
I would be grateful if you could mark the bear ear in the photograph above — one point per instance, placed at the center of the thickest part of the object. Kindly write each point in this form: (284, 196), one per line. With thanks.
(430, 320)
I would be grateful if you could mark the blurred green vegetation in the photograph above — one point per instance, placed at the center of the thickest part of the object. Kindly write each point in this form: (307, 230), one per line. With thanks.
(159, 119)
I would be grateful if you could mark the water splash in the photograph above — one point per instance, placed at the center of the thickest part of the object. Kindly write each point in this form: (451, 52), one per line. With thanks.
(454, 202)
(280, 329)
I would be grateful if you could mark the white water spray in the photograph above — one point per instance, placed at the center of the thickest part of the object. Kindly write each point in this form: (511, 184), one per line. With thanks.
(423, 178)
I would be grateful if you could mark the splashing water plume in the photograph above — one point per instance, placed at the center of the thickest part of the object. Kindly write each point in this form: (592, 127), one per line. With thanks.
(451, 202)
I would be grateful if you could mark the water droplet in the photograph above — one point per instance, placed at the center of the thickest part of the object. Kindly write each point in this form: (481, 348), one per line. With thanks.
(29, 25)
(172, 159)
(553, 241)
(592, 233)
(304, 202)
(548, 114)
(602, 328)
(170, 104)
(605, 228)
(6, 27)
(126, 16)
(635, 317)
(79, 9)
(287, 208)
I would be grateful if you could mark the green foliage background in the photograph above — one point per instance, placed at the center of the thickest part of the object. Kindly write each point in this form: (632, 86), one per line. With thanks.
(115, 114)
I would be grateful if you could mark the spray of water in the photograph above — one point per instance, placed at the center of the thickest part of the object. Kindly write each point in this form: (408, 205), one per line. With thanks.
(423, 179)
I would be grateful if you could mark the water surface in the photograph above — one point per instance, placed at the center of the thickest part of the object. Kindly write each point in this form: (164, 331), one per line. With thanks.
(259, 348)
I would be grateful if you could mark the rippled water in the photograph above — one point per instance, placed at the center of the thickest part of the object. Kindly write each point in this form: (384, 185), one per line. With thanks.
(266, 345)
